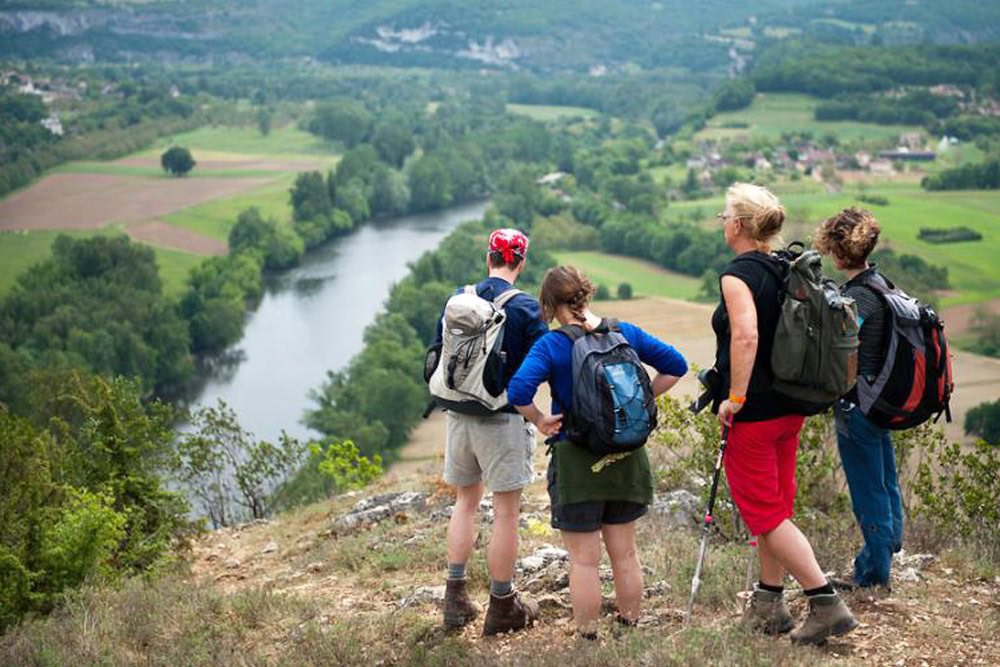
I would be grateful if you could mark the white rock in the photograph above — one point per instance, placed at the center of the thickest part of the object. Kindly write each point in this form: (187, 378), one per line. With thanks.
(679, 508)
(270, 548)
(909, 575)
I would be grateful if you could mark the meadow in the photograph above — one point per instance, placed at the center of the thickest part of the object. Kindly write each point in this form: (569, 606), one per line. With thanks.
(221, 153)
(773, 114)
(972, 266)
(547, 113)
(646, 278)
(20, 250)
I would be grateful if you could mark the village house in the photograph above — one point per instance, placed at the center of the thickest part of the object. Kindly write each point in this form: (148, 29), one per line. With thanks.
(903, 153)
(912, 140)
(946, 90)
(881, 167)
(551, 178)
(53, 125)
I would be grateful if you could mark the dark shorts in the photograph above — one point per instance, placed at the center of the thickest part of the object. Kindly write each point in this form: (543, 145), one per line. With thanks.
(588, 517)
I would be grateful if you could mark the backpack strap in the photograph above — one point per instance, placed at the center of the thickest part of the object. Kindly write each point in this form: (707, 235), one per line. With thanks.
(780, 272)
(575, 331)
(469, 289)
(501, 299)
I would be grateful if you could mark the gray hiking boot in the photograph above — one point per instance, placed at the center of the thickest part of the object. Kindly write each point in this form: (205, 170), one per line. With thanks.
(828, 617)
(459, 610)
(766, 612)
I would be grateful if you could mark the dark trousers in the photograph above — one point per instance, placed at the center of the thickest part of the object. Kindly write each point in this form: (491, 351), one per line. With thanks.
(870, 467)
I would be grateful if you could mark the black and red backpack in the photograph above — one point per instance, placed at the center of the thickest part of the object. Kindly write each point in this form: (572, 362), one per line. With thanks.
(915, 382)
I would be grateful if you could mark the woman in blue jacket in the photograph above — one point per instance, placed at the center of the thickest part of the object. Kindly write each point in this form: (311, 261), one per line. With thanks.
(588, 505)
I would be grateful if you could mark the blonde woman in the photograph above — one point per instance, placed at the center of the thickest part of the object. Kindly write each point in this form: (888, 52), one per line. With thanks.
(763, 427)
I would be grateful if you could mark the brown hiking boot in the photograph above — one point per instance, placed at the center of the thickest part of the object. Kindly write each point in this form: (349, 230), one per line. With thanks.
(509, 613)
(459, 610)
(828, 617)
(766, 612)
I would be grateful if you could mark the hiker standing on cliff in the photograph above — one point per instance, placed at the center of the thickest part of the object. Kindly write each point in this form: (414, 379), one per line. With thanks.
(865, 448)
(763, 429)
(595, 496)
(493, 448)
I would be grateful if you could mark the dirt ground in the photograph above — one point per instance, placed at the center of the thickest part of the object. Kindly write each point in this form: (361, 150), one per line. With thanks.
(155, 232)
(687, 327)
(88, 201)
(958, 319)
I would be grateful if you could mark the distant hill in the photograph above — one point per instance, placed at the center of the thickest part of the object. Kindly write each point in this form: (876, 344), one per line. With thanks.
(527, 34)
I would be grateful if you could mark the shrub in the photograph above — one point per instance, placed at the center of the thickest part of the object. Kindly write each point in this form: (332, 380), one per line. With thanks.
(948, 234)
(958, 491)
(877, 200)
(343, 464)
(603, 293)
(625, 291)
(232, 476)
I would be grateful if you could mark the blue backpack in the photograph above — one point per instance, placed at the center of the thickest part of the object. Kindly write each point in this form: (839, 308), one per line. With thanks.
(614, 409)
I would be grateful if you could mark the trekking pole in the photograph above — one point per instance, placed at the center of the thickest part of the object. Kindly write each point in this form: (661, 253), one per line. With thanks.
(707, 526)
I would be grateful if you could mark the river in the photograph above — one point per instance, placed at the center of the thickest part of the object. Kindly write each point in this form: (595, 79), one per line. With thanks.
(311, 320)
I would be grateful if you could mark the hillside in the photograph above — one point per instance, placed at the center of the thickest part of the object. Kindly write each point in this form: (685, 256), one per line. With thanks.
(461, 33)
(312, 588)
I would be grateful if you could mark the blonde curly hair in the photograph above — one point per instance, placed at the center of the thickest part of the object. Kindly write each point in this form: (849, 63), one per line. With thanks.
(850, 236)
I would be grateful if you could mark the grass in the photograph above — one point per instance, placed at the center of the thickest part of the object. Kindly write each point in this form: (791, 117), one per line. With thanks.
(281, 142)
(174, 267)
(772, 114)
(217, 217)
(547, 113)
(972, 266)
(21, 250)
(646, 278)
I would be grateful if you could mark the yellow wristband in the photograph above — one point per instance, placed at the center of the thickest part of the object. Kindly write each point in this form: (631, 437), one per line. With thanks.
(736, 398)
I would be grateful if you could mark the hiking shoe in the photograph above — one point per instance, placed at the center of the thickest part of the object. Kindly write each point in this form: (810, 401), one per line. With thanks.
(509, 613)
(850, 586)
(843, 584)
(766, 612)
(459, 610)
(828, 617)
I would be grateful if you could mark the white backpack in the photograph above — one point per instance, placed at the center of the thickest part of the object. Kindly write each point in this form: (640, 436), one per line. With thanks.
(468, 377)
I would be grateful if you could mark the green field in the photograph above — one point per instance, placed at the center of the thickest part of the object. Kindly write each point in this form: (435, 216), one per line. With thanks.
(646, 278)
(972, 266)
(281, 142)
(216, 218)
(547, 113)
(772, 114)
(23, 249)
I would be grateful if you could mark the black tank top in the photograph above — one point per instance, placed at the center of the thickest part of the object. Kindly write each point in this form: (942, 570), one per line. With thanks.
(761, 273)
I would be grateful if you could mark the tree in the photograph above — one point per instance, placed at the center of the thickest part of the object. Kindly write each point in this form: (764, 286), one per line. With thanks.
(624, 291)
(342, 120)
(177, 161)
(983, 421)
(390, 193)
(264, 121)
(430, 184)
(393, 139)
(231, 475)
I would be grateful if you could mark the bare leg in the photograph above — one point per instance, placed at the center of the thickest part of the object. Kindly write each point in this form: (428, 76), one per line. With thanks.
(772, 572)
(584, 581)
(502, 551)
(790, 548)
(462, 525)
(619, 540)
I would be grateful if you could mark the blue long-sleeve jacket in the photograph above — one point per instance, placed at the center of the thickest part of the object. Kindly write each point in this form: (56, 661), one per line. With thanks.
(551, 359)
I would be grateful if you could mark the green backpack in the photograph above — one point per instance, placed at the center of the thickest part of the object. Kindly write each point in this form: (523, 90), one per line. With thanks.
(815, 355)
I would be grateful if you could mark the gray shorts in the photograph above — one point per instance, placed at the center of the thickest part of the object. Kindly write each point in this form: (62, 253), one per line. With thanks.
(496, 449)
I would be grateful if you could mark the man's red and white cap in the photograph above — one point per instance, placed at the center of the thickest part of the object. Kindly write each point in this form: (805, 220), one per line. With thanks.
(509, 242)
